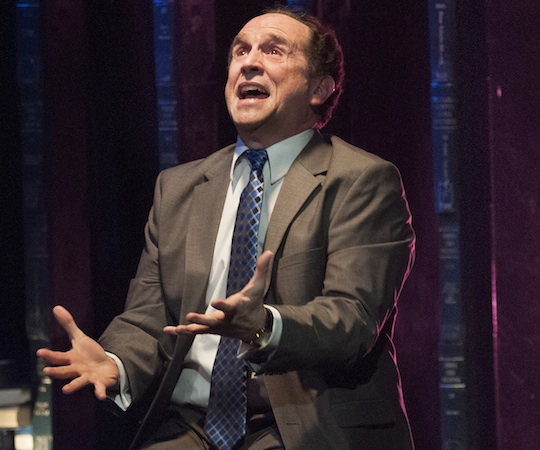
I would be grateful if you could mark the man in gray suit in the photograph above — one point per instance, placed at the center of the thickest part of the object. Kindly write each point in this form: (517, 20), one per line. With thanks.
(315, 323)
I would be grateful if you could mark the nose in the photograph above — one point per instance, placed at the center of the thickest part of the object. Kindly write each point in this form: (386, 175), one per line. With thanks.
(252, 62)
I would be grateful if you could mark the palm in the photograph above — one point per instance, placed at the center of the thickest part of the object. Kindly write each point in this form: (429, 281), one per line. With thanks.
(239, 315)
(86, 363)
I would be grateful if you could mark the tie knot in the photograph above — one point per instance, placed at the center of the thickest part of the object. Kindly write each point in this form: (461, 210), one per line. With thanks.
(257, 159)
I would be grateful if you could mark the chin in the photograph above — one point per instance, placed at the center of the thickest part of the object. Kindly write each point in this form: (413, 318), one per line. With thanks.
(247, 124)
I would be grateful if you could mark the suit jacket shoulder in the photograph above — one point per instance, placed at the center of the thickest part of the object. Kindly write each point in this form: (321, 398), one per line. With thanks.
(197, 171)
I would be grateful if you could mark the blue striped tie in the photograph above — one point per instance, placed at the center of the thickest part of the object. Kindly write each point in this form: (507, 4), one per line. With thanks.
(225, 421)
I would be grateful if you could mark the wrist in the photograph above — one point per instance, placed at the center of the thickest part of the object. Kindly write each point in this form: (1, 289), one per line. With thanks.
(262, 336)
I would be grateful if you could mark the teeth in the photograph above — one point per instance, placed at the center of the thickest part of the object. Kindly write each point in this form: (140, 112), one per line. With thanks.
(251, 90)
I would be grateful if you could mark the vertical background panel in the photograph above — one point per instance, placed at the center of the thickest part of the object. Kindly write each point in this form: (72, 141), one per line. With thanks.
(514, 88)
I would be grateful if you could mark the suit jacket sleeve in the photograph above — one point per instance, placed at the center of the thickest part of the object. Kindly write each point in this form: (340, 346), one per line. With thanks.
(136, 335)
(337, 288)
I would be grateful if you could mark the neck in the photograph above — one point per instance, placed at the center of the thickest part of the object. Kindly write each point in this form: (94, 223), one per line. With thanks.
(256, 142)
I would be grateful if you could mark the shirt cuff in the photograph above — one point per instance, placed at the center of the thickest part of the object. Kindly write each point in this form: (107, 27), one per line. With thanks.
(123, 397)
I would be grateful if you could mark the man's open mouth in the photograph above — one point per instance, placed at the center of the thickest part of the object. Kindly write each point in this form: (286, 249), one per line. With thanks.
(252, 91)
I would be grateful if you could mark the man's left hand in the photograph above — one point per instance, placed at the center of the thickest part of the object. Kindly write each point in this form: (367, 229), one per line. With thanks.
(240, 315)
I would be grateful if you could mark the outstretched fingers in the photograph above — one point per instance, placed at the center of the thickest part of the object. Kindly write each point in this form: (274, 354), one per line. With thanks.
(241, 304)
(100, 390)
(65, 319)
(61, 372)
(86, 363)
(53, 357)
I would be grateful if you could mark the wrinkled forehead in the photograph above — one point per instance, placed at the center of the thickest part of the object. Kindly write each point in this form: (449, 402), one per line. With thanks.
(276, 26)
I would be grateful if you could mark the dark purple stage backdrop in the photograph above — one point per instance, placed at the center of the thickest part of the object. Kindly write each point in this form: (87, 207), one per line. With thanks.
(102, 139)
(514, 142)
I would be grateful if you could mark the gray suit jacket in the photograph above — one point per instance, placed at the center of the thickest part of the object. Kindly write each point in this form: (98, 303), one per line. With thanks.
(343, 243)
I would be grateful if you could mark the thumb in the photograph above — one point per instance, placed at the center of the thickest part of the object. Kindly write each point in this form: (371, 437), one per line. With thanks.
(65, 319)
(264, 262)
(263, 266)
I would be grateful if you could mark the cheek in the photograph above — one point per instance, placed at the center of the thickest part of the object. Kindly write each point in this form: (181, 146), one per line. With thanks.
(231, 80)
(228, 89)
(229, 92)
(294, 80)
(294, 91)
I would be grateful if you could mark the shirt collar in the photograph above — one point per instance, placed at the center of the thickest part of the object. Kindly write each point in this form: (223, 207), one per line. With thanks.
(280, 155)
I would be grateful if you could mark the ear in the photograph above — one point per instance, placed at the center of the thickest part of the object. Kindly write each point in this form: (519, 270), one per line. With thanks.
(322, 89)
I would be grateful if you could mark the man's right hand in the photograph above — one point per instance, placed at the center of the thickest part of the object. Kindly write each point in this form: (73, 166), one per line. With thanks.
(86, 363)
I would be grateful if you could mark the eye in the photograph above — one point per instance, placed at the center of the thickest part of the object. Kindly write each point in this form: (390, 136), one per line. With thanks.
(240, 51)
(274, 51)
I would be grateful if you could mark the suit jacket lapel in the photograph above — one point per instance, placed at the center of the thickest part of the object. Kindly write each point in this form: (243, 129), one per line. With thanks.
(203, 223)
(303, 178)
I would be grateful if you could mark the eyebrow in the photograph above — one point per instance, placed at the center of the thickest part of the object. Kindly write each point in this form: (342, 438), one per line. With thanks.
(238, 40)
